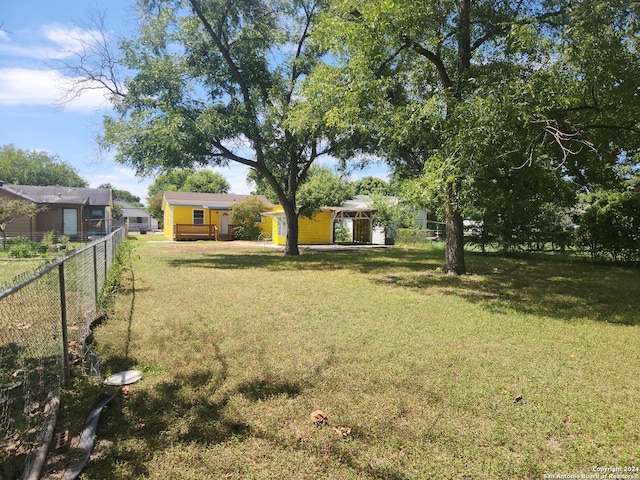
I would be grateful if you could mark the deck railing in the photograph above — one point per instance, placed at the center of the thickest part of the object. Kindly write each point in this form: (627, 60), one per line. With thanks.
(187, 231)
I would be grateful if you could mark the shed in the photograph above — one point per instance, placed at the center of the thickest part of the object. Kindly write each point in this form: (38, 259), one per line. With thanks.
(320, 229)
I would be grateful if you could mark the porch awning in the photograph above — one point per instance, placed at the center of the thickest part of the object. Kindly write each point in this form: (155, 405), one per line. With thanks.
(338, 213)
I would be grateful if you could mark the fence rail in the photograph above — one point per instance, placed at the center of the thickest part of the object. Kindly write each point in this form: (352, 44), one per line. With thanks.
(45, 319)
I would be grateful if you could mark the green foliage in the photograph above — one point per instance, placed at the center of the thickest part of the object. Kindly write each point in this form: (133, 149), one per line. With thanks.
(21, 247)
(323, 188)
(372, 186)
(154, 206)
(219, 81)
(525, 207)
(49, 238)
(123, 195)
(189, 180)
(122, 263)
(453, 92)
(13, 209)
(261, 186)
(117, 211)
(391, 215)
(206, 181)
(31, 167)
(414, 236)
(611, 225)
(170, 181)
(245, 215)
(341, 232)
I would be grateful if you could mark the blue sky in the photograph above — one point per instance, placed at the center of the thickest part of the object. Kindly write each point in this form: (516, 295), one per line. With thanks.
(33, 35)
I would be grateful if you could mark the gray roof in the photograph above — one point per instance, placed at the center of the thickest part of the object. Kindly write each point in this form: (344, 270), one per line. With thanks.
(61, 195)
(220, 201)
(131, 210)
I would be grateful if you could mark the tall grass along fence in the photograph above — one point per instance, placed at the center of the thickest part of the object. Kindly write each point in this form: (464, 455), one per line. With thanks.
(45, 318)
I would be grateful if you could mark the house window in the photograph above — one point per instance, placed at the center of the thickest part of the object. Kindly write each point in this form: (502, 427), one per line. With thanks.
(139, 220)
(198, 217)
(96, 213)
(282, 227)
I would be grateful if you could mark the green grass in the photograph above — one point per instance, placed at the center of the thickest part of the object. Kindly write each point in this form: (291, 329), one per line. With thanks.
(11, 268)
(523, 368)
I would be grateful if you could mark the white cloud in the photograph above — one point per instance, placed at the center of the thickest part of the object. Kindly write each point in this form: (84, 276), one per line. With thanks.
(21, 86)
(27, 77)
(36, 87)
(124, 178)
(121, 178)
(51, 42)
(69, 40)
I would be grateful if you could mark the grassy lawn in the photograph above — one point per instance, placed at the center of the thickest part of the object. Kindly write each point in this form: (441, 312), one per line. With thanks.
(520, 369)
(11, 268)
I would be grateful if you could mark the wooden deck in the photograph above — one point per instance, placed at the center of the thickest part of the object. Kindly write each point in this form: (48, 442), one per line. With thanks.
(186, 231)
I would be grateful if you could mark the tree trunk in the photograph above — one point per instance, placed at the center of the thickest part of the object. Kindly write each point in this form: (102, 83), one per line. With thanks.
(454, 246)
(291, 247)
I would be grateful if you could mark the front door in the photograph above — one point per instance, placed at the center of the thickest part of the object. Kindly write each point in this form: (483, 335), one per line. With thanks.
(70, 221)
(225, 221)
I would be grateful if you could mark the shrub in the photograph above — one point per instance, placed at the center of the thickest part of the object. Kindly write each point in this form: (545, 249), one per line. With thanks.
(48, 238)
(611, 226)
(21, 247)
(246, 217)
(414, 235)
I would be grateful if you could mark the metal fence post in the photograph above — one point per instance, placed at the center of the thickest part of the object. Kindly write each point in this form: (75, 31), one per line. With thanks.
(95, 275)
(65, 336)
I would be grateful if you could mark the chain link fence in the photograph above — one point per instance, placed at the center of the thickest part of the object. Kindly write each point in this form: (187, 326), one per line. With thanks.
(45, 318)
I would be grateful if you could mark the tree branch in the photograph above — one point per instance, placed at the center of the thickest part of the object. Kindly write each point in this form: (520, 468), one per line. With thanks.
(94, 67)
(235, 72)
(433, 58)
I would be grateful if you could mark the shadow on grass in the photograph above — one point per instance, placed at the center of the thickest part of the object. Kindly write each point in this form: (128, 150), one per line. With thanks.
(190, 409)
(261, 389)
(543, 285)
(552, 287)
(365, 261)
(152, 420)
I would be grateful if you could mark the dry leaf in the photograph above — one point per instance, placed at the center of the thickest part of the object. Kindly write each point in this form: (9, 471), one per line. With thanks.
(344, 432)
(319, 417)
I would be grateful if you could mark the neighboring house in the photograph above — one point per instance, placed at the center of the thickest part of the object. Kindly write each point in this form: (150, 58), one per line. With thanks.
(356, 215)
(207, 216)
(78, 213)
(136, 219)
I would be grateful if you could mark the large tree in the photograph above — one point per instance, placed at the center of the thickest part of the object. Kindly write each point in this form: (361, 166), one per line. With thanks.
(323, 188)
(218, 81)
(206, 181)
(32, 167)
(454, 91)
(123, 195)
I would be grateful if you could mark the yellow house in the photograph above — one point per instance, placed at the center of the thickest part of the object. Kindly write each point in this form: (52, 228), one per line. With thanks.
(320, 229)
(204, 216)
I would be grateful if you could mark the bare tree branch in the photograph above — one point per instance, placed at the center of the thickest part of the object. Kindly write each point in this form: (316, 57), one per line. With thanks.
(569, 142)
(93, 66)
